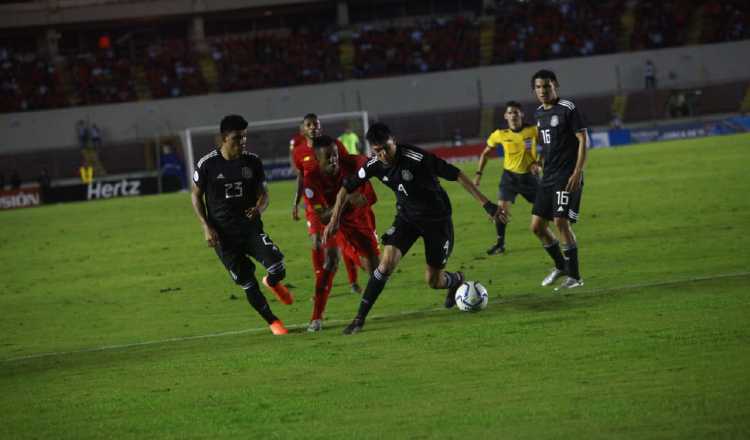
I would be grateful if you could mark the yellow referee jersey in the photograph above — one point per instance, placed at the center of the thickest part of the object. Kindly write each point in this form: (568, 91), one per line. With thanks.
(520, 147)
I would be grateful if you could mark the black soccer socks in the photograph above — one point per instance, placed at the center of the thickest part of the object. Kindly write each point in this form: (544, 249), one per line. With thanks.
(259, 303)
(571, 260)
(375, 285)
(500, 228)
(554, 252)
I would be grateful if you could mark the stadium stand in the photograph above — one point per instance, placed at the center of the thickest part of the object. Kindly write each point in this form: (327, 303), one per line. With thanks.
(246, 50)
(303, 44)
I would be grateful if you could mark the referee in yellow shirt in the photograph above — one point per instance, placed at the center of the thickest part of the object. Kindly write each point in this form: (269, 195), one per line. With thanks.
(521, 169)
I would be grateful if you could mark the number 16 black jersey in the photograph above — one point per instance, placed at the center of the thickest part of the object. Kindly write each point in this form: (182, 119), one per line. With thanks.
(557, 133)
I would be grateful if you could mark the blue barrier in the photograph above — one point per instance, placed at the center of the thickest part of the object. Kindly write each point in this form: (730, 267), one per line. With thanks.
(624, 136)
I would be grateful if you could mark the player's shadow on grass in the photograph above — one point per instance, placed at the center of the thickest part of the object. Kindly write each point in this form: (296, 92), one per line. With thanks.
(538, 304)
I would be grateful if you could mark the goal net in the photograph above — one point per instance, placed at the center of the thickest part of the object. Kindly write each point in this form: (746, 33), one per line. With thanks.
(270, 139)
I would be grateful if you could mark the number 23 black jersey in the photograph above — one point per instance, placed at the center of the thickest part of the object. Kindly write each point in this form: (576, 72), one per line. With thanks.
(231, 187)
(413, 177)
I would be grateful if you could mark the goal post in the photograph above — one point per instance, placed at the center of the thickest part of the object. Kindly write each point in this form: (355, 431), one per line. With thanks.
(269, 139)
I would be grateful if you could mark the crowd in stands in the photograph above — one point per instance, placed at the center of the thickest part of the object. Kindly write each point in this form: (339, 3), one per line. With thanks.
(102, 77)
(523, 31)
(276, 59)
(172, 70)
(426, 45)
(28, 82)
(541, 30)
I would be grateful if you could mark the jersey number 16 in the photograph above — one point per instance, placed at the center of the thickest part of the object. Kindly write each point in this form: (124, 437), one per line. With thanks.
(546, 136)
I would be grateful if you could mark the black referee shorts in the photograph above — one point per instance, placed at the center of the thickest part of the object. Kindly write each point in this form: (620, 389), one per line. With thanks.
(512, 184)
(437, 236)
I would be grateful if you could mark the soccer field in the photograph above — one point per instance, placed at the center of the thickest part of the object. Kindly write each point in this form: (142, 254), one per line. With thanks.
(119, 322)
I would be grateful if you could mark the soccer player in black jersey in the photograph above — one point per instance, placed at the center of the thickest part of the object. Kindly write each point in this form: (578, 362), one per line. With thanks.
(423, 210)
(562, 134)
(233, 184)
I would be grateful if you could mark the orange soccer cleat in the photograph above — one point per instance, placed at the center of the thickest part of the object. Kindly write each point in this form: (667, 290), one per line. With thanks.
(281, 291)
(277, 328)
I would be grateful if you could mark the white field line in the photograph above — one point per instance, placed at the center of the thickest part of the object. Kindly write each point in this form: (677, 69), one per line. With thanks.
(337, 321)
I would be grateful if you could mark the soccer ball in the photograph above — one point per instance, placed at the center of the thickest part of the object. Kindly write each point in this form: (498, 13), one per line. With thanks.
(471, 296)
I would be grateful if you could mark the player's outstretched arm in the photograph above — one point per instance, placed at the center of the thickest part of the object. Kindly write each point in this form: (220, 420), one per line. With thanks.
(494, 211)
(199, 207)
(482, 163)
(338, 207)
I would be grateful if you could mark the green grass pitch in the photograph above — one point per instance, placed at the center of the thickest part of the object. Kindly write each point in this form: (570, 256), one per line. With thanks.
(117, 321)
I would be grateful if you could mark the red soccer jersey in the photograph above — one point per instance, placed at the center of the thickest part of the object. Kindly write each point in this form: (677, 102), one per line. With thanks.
(356, 236)
(320, 191)
(303, 156)
(303, 159)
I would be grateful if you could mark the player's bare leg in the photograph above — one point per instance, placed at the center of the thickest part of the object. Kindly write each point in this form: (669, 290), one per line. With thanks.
(499, 246)
(570, 253)
(389, 259)
(540, 228)
(369, 262)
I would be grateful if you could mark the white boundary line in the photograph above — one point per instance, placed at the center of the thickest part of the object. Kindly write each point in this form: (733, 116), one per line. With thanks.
(334, 321)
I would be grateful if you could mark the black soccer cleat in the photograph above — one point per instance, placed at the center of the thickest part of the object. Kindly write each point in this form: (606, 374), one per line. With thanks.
(497, 249)
(450, 297)
(355, 326)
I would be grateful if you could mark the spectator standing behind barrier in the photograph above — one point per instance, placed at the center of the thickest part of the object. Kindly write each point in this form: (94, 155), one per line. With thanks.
(44, 184)
(649, 75)
(15, 180)
(86, 172)
(172, 171)
(96, 136)
(82, 132)
(350, 140)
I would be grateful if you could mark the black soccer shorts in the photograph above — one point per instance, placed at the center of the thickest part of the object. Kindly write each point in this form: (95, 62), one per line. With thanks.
(554, 202)
(512, 184)
(437, 237)
(234, 253)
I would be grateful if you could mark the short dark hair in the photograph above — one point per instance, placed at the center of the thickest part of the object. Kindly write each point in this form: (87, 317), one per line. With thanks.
(322, 142)
(232, 123)
(514, 104)
(378, 134)
(544, 74)
(310, 116)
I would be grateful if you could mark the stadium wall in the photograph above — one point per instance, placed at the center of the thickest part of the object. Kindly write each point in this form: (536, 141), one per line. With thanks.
(470, 88)
(44, 13)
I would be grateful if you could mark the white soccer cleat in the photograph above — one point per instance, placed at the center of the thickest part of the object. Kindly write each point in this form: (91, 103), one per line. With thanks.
(315, 326)
(569, 283)
(552, 277)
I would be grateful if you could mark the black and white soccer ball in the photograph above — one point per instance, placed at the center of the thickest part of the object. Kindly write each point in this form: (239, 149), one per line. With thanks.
(471, 296)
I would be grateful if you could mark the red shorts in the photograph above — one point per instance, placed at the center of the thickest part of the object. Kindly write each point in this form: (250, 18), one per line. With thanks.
(357, 241)
(314, 226)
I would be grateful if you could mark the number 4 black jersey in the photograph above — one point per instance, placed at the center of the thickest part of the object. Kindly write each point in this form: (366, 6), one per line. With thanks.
(231, 187)
(557, 133)
(414, 178)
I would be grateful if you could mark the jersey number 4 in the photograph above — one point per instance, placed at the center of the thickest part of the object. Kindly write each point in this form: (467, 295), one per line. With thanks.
(233, 189)
(546, 136)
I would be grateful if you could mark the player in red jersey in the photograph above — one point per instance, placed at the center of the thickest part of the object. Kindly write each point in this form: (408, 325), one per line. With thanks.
(303, 160)
(356, 235)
